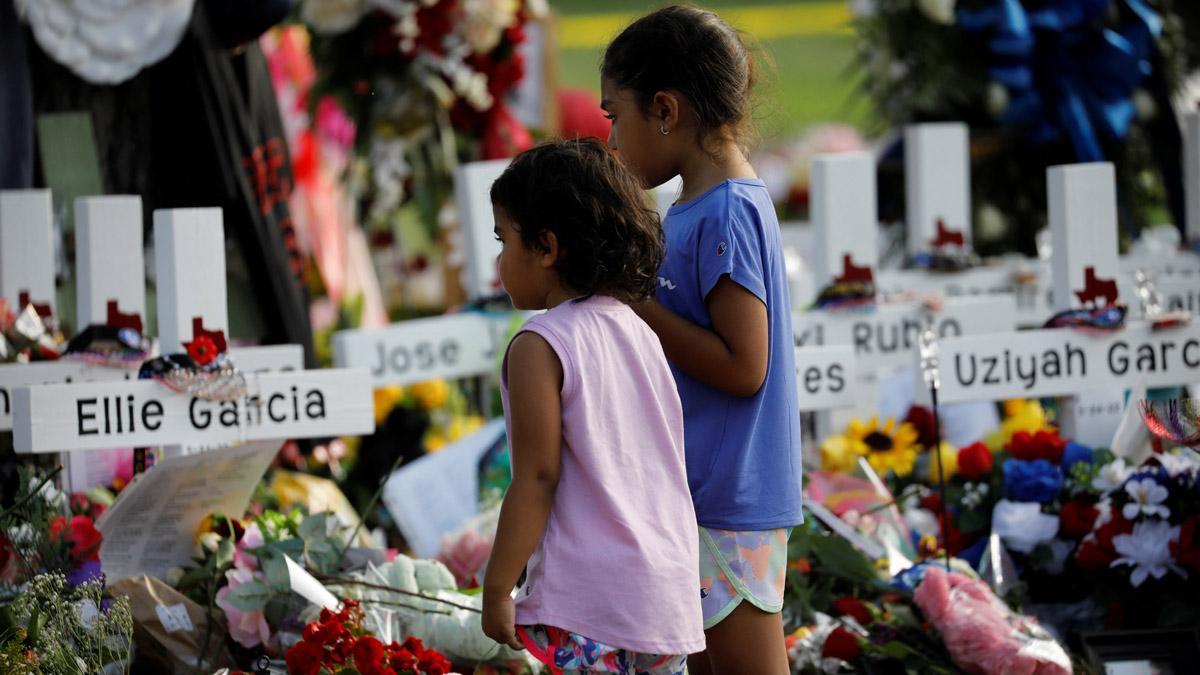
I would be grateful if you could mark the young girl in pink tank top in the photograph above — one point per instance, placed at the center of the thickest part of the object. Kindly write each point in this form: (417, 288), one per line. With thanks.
(598, 516)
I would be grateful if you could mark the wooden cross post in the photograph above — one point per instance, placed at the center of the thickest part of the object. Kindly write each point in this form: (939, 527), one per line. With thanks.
(189, 260)
(885, 336)
(1066, 362)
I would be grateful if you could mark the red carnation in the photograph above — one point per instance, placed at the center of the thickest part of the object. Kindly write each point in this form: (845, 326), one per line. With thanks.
(1187, 550)
(853, 607)
(931, 502)
(841, 644)
(974, 461)
(1076, 518)
(85, 539)
(304, 658)
(1044, 444)
(922, 420)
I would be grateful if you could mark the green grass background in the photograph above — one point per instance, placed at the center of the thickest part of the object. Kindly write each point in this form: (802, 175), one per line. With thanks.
(808, 79)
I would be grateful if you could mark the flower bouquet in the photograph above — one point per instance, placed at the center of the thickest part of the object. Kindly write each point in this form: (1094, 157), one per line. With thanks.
(337, 643)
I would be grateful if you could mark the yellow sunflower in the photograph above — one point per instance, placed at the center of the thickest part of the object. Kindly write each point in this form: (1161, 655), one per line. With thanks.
(888, 448)
(840, 453)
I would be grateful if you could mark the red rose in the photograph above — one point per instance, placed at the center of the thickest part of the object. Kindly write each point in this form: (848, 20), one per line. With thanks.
(841, 644)
(853, 607)
(402, 660)
(1076, 518)
(974, 461)
(58, 525)
(931, 502)
(414, 645)
(368, 656)
(1092, 558)
(1044, 444)
(1117, 525)
(304, 658)
(85, 539)
(922, 420)
(1186, 551)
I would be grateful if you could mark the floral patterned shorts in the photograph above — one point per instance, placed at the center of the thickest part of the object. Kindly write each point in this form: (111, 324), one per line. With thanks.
(567, 653)
(735, 566)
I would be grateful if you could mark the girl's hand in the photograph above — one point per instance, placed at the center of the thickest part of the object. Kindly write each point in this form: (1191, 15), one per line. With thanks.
(499, 620)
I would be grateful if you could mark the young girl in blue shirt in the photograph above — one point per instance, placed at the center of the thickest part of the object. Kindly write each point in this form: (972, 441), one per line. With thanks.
(677, 85)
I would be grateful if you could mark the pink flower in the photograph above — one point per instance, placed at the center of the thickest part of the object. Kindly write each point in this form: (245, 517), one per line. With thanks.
(252, 539)
(465, 556)
(249, 629)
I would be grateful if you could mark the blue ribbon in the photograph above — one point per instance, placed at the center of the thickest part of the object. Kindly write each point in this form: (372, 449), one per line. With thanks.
(1065, 72)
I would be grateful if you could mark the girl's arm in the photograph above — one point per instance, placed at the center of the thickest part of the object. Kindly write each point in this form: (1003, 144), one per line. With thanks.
(732, 356)
(535, 379)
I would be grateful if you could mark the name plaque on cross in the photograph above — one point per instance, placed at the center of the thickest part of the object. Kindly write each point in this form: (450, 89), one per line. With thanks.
(457, 345)
(889, 335)
(248, 360)
(1062, 362)
(93, 416)
(826, 377)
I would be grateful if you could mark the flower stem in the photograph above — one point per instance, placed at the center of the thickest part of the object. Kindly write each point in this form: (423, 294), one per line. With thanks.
(341, 581)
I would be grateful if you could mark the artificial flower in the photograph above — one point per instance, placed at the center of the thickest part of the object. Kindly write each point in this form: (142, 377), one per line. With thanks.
(949, 462)
(1076, 453)
(1077, 518)
(921, 418)
(1176, 464)
(1112, 475)
(1148, 550)
(1186, 549)
(251, 539)
(1022, 415)
(1146, 498)
(974, 461)
(1042, 444)
(430, 395)
(385, 399)
(249, 629)
(1032, 481)
(840, 453)
(1022, 525)
(888, 447)
(853, 608)
(841, 644)
(202, 349)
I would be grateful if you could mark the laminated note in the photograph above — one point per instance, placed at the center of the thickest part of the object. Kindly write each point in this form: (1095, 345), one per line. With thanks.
(151, 527)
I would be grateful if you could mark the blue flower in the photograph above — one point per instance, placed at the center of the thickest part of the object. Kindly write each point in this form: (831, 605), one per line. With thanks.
(1032, 481)
(1074, 454)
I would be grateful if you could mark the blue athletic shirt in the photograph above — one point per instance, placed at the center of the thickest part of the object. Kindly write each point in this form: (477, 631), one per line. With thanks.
(743, 454)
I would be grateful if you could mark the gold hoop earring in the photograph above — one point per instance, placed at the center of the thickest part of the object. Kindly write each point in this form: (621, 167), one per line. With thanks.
(662, 128)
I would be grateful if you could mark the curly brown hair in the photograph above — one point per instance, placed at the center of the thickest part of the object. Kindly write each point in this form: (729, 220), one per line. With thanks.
(610, 239)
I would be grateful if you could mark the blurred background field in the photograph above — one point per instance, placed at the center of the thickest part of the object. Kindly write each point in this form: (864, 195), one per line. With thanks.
(808, 47)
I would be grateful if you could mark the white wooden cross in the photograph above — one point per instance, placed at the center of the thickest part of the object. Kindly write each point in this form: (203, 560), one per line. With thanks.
(843, 198)
(1067, 362)
(884, 337)
(937, 172)
(288, 403)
